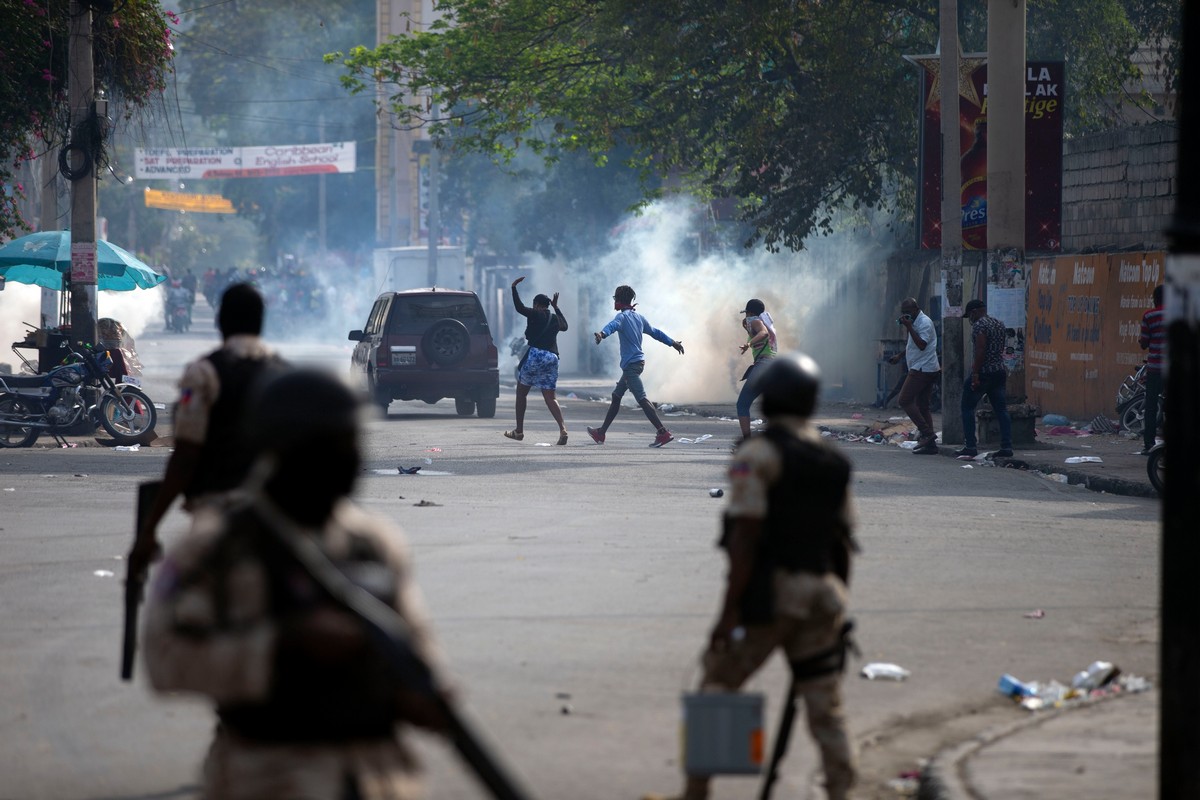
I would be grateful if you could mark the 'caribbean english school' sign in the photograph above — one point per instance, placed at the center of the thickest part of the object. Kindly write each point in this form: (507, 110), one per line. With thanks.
(244, 162)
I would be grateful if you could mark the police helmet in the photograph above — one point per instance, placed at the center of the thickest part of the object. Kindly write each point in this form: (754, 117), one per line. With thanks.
(788, 384)
(292, 408)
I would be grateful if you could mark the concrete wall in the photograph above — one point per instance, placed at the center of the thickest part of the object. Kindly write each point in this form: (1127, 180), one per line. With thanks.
(1119, 188)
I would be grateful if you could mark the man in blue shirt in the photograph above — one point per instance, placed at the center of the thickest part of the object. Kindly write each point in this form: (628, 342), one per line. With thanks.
(629, 325)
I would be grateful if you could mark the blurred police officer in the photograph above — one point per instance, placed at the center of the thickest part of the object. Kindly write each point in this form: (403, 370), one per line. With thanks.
(212, 453)
(788, 536)
(307, 705)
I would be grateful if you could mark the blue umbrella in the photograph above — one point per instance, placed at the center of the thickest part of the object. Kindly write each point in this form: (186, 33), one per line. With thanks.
(44, 259)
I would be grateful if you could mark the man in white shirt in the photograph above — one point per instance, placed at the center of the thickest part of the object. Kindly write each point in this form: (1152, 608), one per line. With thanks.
(924, 372)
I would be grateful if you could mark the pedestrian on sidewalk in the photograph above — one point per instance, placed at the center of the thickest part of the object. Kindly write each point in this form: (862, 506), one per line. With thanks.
(987, 377)
(789, 540)
(539, 367)
(212, 452)
(1153, 339)
(629, 325)
(924, 371)
(763, 345)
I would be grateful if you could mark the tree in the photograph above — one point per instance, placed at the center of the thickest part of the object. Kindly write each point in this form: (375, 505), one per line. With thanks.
(797, 109)
(132, 51)
(255, 74)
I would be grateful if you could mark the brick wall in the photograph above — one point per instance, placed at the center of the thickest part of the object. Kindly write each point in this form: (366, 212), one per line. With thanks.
(1119, 188)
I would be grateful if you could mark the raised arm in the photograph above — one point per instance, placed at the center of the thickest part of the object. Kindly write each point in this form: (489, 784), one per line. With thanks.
(522, 309)
(562, 321)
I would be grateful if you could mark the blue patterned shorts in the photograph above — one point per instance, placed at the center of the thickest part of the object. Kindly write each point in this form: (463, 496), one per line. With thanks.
(540, 369)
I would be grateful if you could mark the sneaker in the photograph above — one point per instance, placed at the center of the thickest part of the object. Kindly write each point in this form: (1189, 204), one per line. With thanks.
(969, 452)
(928, 450)
(662, 438)
(596, 434)
(1003, 452)
(925, 441)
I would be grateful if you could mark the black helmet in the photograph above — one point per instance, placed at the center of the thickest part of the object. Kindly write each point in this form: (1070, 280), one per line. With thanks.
(295, 407)
(788, 385)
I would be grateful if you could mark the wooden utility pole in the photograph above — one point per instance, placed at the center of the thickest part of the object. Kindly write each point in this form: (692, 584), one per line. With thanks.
(435, 217)
(1179, 709)
(80, 94)
(1006, 141)
(50, 311)
(952, 300)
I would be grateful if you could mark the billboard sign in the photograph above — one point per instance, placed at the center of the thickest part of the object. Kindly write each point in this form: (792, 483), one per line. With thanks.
(277, 161)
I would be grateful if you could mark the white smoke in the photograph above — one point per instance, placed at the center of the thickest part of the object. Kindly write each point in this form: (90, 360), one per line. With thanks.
(698, 301)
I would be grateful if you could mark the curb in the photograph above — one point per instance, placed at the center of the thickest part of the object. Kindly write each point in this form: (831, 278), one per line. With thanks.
(942, 778)
(1096, 483)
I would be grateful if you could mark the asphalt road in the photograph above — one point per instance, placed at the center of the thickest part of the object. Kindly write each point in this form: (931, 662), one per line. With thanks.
(572, 588)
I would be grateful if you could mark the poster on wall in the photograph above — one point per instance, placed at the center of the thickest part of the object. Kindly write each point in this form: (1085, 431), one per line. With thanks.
(1006, 302)
(1043, 156)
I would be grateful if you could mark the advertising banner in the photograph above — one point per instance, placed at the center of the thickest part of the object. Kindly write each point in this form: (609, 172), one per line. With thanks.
(1043, 158)
(244, 162)
(196, 203)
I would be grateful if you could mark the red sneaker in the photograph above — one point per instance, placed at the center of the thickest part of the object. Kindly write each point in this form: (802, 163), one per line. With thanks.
(662, 438)
(596, 435)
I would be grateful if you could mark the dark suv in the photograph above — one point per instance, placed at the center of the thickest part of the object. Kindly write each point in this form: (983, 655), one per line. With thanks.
(428, 344)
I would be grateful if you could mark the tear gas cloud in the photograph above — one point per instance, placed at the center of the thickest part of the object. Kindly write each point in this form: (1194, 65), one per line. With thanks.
(20, 304)
(698, 301)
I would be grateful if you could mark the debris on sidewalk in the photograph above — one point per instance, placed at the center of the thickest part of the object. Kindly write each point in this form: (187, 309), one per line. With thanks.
(1036, 614)
(427, 504)
(1100, 679)
(716, 492)
(702, 438)
(1055, 419)
(133, 448)
(1084, 460)
(884, 671)
(1102, 424)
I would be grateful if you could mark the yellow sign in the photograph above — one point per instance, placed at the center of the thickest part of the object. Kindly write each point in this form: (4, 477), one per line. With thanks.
(199, 203)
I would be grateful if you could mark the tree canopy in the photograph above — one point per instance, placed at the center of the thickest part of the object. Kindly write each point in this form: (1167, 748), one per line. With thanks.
(797, 109)
(132, 52)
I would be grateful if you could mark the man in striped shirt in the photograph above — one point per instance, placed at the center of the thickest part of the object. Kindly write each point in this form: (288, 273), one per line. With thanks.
(1153, 340)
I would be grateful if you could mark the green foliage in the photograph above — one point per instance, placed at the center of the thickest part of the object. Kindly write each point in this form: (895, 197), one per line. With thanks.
(256, 75)
(799, 110)
(132, 52)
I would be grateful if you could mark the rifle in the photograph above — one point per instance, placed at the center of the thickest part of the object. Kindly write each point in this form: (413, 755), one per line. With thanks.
(391, 634)
(135, 581)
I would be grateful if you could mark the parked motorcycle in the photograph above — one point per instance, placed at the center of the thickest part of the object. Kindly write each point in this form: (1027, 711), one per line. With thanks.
(1156, 466)
(1131, 402)
(78, 390)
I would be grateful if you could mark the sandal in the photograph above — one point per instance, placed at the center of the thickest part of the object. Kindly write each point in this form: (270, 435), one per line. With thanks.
(515, 435)
(562, 438)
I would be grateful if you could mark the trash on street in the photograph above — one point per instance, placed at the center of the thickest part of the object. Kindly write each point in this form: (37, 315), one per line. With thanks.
(884, 671)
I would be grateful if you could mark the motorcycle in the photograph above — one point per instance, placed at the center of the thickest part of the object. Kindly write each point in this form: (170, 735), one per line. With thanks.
(179, 310)
(1156, 467)
(78, 390)
(1131, 402)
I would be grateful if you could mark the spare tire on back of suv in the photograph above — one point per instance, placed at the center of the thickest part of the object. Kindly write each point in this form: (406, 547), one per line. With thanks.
(446, 343)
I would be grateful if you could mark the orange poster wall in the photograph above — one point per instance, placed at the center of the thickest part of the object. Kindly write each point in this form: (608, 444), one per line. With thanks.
(1084, 313)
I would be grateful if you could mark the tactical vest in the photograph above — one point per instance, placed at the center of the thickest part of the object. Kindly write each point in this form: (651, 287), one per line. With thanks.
(804, 530)
(226, 457)
(309, 702)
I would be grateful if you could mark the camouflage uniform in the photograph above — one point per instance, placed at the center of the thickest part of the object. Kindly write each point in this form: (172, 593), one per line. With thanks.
(809, 611)
(213, 628)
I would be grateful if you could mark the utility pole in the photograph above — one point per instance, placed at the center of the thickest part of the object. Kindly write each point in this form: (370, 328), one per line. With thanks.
(321, 193)
(80, 91)
(1179, 709)
(435, 217)
(1006, 138)
(952, 273)
(50, 311)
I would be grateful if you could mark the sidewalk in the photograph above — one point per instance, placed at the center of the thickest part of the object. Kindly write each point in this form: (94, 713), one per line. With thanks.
(1107, 749)
(1120, 469)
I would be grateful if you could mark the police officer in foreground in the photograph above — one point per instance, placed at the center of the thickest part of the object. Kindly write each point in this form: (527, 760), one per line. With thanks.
(788, 537)
(212, 452)
(308, 705)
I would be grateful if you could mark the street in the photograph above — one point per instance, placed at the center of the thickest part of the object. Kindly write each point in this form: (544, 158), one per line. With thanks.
(572, 589)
